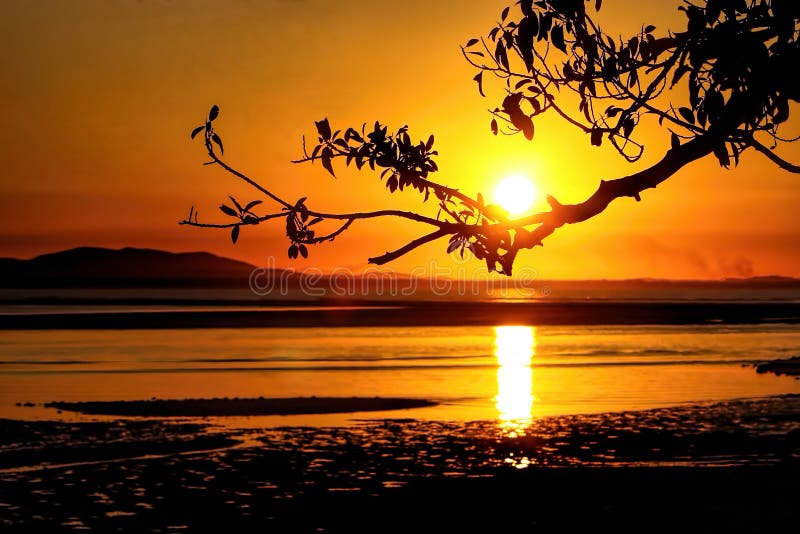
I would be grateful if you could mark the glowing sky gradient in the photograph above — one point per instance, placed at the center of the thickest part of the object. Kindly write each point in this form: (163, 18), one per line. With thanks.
(97, 98)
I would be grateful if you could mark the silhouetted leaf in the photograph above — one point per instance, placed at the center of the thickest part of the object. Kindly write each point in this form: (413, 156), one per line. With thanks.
(324, 129)
(557, 37)
(326, 160)
(649, 28)
(197, 131)
(235, 234)
(679, 72)
(501, 55)
(504, 14)
(628, 126)
(472, 42)
(227, 210)
(479, 78)
(722, 155)
(315, 220)
(597, 137)
(235, 203)
(293, 251)
(217, 140)
(687, 115)
(252, 204)
(525, 124)
(782, 111)
(494, 126)
(598, 4)
(303, 251)
(214, 113)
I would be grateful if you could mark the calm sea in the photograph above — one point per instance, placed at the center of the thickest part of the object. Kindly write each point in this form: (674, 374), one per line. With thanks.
(508, 373)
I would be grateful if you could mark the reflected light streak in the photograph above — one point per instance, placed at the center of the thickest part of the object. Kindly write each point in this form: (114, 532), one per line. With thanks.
(514, 349)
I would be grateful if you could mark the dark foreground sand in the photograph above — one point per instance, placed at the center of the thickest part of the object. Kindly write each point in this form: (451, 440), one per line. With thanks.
(241, 407)
(726, 467)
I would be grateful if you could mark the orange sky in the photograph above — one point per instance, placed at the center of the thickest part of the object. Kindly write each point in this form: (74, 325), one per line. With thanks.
(97, 99)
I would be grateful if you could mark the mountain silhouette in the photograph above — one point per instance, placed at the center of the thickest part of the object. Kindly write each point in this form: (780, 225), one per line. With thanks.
(126, 267)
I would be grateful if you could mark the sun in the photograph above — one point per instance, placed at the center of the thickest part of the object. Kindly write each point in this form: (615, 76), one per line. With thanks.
(515, 194)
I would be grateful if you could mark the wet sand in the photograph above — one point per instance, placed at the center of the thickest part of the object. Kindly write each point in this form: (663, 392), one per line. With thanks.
(241, 407)
(729, 466)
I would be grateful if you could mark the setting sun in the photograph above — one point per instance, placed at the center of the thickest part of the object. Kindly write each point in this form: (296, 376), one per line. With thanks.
(515, 194)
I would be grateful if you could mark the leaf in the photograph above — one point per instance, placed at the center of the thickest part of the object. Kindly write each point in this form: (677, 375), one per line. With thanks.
(235, 203)
(326, 160)
(235, 234)
(216, 139)
(315, 220)
(429, 144)
(227, 210)
(452, 246)
(392, 183)
(679, 72)
(627, 127)
(214, 113)
(472, 42)
(557, 37)
(597, 137)
(504, 14)
(501, 55)
(494, 126)
(598, 4)
(521, 83)
(781, 111)
(479, 78)
(687, 115)
(251, 205)
(649, 28)
(675, 140)
(292, 253)
(323, 128)
(303, 251)
(197, 131)
(526, 125)
(722, 155)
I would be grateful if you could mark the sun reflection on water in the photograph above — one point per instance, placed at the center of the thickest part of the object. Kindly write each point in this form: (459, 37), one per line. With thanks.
(514, 349)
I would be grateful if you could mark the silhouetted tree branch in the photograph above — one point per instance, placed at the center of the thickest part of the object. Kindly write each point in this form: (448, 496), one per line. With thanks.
(737, 59)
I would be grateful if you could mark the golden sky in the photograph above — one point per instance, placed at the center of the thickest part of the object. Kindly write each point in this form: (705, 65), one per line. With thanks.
(97, 98)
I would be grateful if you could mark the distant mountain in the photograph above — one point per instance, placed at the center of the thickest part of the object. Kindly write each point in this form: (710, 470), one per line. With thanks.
(88, 267)
(127, 267)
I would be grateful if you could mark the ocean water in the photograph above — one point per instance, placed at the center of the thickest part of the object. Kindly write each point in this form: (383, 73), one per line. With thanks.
(510, 373)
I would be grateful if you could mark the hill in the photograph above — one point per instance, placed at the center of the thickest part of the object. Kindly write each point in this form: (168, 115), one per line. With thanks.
(126, 267)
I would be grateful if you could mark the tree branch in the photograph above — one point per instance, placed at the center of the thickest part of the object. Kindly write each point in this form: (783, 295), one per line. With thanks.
(608, 191)
(773, 157)
(389, 256)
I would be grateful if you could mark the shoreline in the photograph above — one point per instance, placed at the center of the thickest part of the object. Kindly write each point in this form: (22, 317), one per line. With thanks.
(425, 314)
